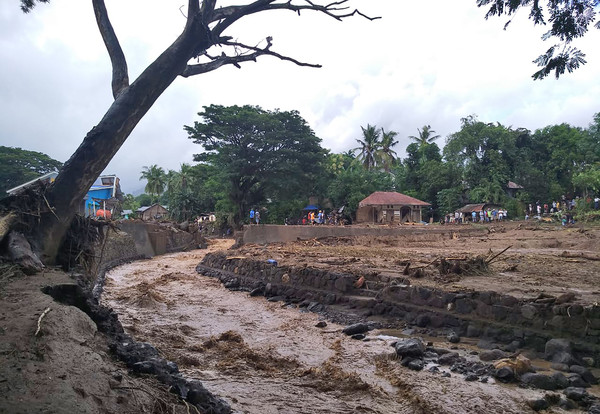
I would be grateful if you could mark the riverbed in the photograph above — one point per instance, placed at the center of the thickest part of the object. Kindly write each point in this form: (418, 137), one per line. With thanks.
(267, 357)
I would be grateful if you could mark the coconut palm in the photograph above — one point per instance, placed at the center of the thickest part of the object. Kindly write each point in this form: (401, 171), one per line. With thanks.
(156, 180)
(369, 146)
(386, 155)
(426, 136)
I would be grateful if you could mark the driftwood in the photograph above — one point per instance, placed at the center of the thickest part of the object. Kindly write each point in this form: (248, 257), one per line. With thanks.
(39, 322)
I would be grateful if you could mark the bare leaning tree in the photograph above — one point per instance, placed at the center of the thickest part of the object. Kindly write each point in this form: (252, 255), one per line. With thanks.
(204, 29)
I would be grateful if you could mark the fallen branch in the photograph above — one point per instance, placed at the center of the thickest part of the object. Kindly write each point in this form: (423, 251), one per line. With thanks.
(39, 322)
(490, 260)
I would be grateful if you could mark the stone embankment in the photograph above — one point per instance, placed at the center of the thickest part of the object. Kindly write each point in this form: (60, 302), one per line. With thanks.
(491, 316)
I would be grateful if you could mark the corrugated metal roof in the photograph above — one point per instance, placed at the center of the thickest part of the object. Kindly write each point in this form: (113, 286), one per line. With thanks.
(469, 208)
(382, 198)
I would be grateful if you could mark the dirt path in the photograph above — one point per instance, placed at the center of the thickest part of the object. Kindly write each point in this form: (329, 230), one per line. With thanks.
(265, 358)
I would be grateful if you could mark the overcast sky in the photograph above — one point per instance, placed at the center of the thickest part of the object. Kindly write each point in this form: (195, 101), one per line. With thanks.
(425, 62)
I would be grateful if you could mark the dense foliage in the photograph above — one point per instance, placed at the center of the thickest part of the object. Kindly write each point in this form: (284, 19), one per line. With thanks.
(273, 161)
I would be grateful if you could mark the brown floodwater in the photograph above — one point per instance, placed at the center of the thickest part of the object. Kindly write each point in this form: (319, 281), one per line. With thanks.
(263, 357)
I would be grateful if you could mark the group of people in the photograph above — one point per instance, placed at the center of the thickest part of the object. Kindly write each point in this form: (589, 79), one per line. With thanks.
(482, 216)
(319, 218)
(563, 205)
(254, 216)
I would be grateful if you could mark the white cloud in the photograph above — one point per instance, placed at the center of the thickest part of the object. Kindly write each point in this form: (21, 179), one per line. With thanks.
(426, 62)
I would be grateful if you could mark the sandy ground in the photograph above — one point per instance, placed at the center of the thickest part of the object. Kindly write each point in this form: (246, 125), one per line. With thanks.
(265, 358)
(66, 367)
(541, 258)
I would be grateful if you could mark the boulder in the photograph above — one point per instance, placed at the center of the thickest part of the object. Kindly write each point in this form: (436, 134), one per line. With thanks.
(448, 359)
(560, 380)
(357, 328)
(538, 380)
(453, 338)
(504, 374)
(538, 404)
(411, 347)
(585, 374)
(416, 364)
(559, 350)
(575, 393)
(492, 355)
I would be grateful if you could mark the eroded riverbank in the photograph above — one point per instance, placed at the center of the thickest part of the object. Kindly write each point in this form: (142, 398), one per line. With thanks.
(263, 357)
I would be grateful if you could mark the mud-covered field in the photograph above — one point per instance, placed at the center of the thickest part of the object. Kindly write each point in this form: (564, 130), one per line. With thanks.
(265, 357)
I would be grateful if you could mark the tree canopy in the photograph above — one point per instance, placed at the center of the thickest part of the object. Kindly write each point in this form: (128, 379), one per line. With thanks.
(18, 166)
(260, 154)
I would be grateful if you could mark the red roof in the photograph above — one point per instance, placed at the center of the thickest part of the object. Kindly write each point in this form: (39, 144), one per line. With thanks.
(381, 198)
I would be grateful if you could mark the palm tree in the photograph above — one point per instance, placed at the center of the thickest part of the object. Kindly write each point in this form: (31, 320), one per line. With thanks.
(156, 180)
(426, 136)
(386, 154)
(369, 146)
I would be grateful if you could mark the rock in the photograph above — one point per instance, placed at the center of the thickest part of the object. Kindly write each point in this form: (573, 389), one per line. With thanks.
(359, 336)
(565, 298)
(504, 374)
(492, 355)
(537, 380)
(528, 311)
(453, 338)
(275, 298)
(567, 404)
(20, 253)
(185, 226)
(560, 380)
(446, 374)
(538, 404)
(412, 347)
(575, 393)
(448, 359)
(559, 367)
(585, 373)
(259, 291)
(357, 328)
(321, 324)
(471, 377)
(559, 350)
(575, 380)
(588, 361)
(594, 409)
(315, 307)
(422, 320)
(434, 369)
(416, 364)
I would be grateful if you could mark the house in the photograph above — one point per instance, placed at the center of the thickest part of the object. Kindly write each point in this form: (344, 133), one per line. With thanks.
(153, 212)
(390, 207)
(46, 178)
(512, 188)
(104, 194)
(469, 208)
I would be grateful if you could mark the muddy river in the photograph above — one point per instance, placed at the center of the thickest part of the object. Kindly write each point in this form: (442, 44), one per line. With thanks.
(264, 357)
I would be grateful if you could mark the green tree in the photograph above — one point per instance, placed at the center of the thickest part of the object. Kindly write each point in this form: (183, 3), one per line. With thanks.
(386, 156)
(17, 166)
(156, 180)
(260, 155)
(426, 136)
(370, 145)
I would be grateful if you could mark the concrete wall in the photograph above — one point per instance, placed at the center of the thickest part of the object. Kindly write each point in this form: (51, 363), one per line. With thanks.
(269, 233)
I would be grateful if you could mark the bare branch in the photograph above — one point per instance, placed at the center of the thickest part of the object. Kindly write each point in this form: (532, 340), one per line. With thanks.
(120, 77)
(226, 16)
(219, 61)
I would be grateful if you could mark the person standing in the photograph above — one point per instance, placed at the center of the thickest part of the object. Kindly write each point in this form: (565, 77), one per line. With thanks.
(252, 213)
(257, 217)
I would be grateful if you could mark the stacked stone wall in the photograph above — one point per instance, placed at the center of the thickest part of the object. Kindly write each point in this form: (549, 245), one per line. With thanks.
(485, 314)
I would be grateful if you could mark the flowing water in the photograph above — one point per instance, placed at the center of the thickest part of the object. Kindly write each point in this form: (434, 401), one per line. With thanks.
(263, 357)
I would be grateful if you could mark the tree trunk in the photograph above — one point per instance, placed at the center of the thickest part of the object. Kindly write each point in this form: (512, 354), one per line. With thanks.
(105, 139)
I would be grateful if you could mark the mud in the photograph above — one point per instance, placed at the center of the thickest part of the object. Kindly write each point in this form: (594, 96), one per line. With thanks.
(268, 357)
